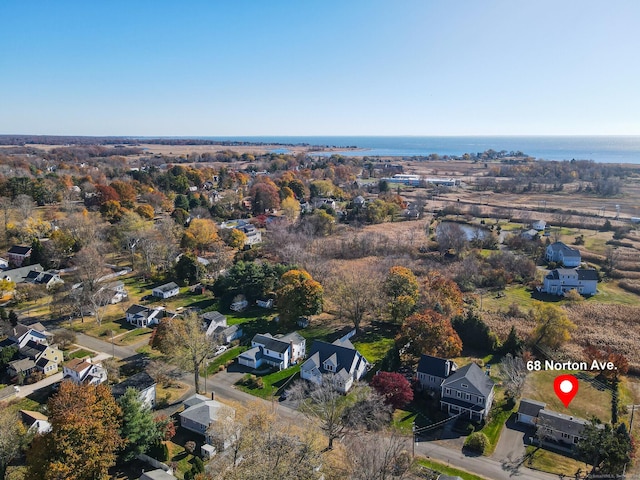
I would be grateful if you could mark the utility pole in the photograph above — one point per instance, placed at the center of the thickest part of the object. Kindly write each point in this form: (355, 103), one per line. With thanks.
(113, 347)
(413, 439)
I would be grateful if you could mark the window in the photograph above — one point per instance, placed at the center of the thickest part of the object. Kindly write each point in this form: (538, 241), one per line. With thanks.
(467, 397)
(447, 391)
(459, 394)
(464, 385)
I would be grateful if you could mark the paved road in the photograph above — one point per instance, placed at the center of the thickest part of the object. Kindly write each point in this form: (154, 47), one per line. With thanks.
(484, 466)
(222, 384)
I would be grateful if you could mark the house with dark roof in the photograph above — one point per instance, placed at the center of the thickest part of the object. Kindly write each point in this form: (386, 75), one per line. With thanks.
(142, 316)
(432, 371)
(279, 352)
(157, 474)
(228, 334)
(18, 254)
(339, 358)
(528, 411)
(43, 278)
(561, 280)
(19, 275)
(142, 383)
(213, 320)
(559, 428)
(24, 367)
(468, 392)
(560, 253)
(167, 290)
(46, 358)
(22, 334)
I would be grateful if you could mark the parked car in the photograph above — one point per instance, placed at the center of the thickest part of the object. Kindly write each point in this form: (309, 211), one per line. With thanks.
(219, 350)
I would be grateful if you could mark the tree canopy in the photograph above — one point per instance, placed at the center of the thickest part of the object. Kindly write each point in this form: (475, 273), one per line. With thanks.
(430, 333)
(299, 296)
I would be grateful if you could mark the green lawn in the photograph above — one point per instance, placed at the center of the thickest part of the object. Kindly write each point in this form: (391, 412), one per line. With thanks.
(554, 463)
(274, 383)
(79, 354)
(222, 359)
(375, 350)
(610, 292)
(591, 399)
(518, 294)
(447, 470)
(500, 413)
(134, 336)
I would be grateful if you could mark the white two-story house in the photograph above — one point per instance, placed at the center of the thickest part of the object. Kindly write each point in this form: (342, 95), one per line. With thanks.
(562, 280)
(81, 370)
(560, 253)
(280, 351)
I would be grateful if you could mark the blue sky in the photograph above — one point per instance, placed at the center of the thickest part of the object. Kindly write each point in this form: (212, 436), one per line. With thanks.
(320, 68)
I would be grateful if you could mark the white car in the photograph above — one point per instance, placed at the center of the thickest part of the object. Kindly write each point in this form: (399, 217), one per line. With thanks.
(219, 350)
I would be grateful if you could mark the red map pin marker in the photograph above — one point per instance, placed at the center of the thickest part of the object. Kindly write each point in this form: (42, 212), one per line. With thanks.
(566, 387)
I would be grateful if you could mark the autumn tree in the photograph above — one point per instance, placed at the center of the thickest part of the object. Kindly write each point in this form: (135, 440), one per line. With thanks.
(187, 343)
(13, 437)
(202, 234)
(234, 237)
(299, 296)
(355, 291)
(369, 412)
(291, 208)
(89, 274)
(553, 327)
(441, 294)
(84, 436)
(379, 457)
(514, 371)
(608, 354)
(394, 387)
(430, 333)
(451, 236)
(264, 195)
(401, 286)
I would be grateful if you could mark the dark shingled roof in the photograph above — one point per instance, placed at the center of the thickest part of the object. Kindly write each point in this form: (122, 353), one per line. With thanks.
(270, 343)
(20, 249)
(167, 287)
(345, 356)
(530, 407)
(561, 422)
(566, 251)
(214, 317)
(474, 377)
(140, 381)
(435, 366)
(583, 273)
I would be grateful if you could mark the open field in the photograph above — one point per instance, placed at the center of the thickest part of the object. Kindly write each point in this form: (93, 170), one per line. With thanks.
(541, 459)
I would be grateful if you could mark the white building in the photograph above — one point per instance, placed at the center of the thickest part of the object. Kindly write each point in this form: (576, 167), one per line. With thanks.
(81, 370)
(280, 352)
(168, 290)
(560, 253)
(562, 280)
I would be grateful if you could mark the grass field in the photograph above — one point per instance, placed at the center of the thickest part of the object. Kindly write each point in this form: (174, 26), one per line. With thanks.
(540, 459)
(274, 383)
(592, 398)
(80, 353)
(447, 470)
(222, 359)
(500, 413)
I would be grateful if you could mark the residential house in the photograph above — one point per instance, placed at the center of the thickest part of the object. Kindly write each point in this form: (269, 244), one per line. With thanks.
(359, 201)
(167, 290)
(339, 358)
(432, 371)
(19, 275)
(142, 383)
(539, 225)
(277, 352)
(200, 413)
(35, 422)
(239, 306)
(23, 367)
(4, 263)
(227, 334)
(251, 232)
(560, 253)
(43, 278)
(265, 303)
(81, 370)
(118, 291)
(531, 234)
(46, 358)
(213, 320)
(559, 428)
(528, 411)
(142, 316)
(157, 474)
(18, 254)
(22, 334)
(562, 280)
(468, 392)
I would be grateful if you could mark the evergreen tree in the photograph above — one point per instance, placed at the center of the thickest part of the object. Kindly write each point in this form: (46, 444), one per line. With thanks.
(13, 318)
(139, 429)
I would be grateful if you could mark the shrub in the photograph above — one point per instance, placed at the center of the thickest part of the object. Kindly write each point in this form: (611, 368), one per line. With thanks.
(190, 446)
(198, 465)
(573, 296)
(477, 442)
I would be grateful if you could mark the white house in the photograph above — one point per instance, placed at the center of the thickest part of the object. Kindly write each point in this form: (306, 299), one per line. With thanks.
(142, 383)
(339, 358)
(468, 392)
(167, 290)
(560, 253)
(35, 422)
(142, 316)
(528, 411)
(539, 225)
(561, 280)
(213, 320)
(22, 334)
(81, 370)
(280, 351)
(239, 305)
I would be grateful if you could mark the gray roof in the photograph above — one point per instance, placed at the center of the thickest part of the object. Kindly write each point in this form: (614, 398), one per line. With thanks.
(22, 365)
(347, 358)
(18, 275)
(472, 376)
(435, 366)
(561, 422)
(214, 317)
(140, 381)
(203, 412)
(566, 251)
(252, 354)
(157, 475)
(270, 343)
(583, 273)
(294, 337)
(530, 407)
(135, 309)
(167, 287)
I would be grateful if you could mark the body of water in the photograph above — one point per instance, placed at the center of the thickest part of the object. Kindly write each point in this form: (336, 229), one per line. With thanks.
(607, 149)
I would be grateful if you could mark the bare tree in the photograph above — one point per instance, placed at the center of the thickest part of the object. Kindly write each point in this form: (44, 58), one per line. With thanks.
(515, 372)
(90, 277)
(356, 293)
(24, 205)
(188, 344)
(449, 236)
(379, 457)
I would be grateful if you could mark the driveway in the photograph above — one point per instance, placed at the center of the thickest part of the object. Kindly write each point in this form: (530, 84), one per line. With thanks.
(511, 447)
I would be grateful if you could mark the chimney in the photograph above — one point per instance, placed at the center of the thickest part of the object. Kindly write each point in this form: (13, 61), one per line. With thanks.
(447, 368)
(213, 395)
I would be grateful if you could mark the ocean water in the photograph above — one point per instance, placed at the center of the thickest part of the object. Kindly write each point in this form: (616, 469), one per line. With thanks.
(606, 149)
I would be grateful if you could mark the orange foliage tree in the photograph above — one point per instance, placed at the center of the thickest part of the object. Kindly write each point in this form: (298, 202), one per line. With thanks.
(441, 294)
(606, 355)
(430, 333)
(401, 286)
(84, 437)
(300, 295)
